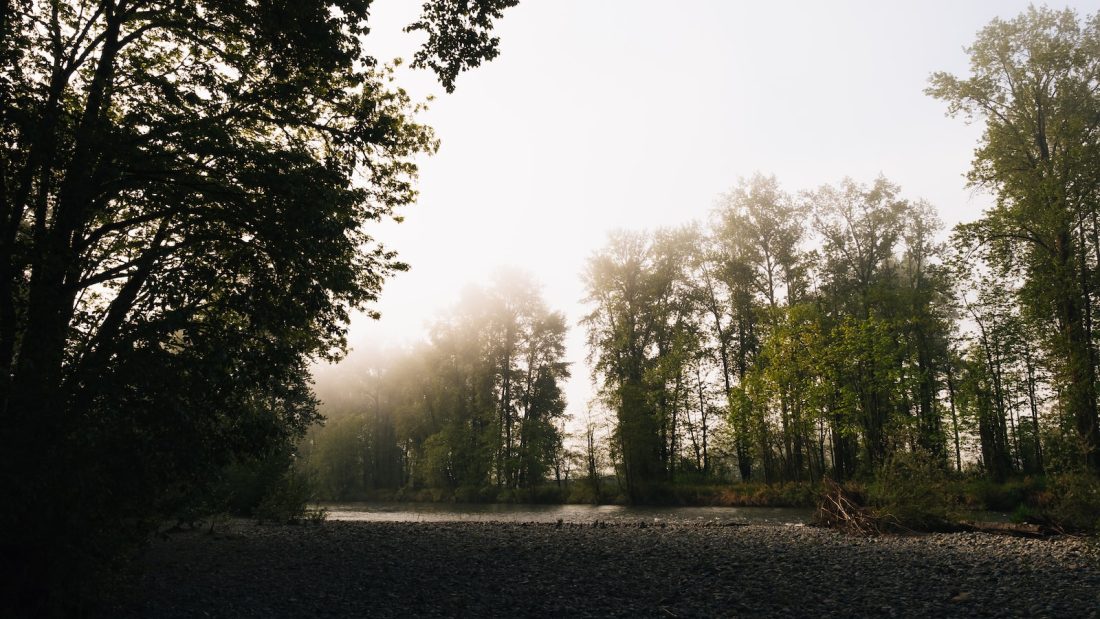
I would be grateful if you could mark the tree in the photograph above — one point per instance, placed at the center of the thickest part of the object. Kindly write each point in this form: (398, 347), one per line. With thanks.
(641, 336)
(476, 412)
(726, 321)
(620, 338)
(1033, 84)
(925, 293)
(733, 259)
(182, 199)
(861, 227)
(592, 460)
(761, 228)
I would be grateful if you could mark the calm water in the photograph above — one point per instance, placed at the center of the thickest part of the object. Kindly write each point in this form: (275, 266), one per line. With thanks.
(457, 512)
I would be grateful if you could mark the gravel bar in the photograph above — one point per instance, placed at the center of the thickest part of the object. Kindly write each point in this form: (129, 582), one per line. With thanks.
(387, 569)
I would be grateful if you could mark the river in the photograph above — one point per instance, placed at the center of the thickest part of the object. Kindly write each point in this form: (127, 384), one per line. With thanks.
(497, 512)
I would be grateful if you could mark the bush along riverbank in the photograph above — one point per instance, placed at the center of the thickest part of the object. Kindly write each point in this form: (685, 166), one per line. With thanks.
(791, 494)
(905, 498)
(908, 495)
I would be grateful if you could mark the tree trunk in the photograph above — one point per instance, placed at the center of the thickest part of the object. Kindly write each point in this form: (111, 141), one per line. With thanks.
(954, 416)
(1080, 394)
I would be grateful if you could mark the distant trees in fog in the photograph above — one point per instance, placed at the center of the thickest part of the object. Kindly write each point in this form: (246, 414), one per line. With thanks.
(478, 408)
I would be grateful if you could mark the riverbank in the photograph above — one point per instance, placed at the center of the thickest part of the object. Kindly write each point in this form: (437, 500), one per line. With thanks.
(549, 513)
(741, 494)
(342, 569)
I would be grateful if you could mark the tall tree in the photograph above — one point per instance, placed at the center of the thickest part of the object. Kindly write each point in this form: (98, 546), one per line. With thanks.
(861, 227)
(719, 330)
(183, 189)
(1033, 83)
(641, 332)
(620, 338)
(926, 288)
(763, 227)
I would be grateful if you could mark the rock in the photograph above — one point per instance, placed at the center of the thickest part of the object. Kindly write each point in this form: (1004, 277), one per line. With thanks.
(487, 569)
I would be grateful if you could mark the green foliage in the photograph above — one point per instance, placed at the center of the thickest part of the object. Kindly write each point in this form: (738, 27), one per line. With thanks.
(911, 491)
(582, 493)
(436, 465)
(789, 494)
(692, 327)
(335, 454)
(285, 501)
(1067, 502)
(1072, 502)
(1008, 496)
(261, 487)
(1033, 81)
(639, 342)
(272, 487)
(458, 36)
(183, 193)
(473, 494)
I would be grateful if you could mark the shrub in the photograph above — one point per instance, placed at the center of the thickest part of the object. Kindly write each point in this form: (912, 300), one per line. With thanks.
(1024, 513)
(1007, 496)
(547, 494)
(582, 493)
(911, 492)
(315, 516)
(792, 494)
(789, 494)
(285, 502)
(1072, 502)
(468, 494)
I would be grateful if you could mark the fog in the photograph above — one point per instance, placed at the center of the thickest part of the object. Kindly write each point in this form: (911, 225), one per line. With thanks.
(746, 226)
(607, 115)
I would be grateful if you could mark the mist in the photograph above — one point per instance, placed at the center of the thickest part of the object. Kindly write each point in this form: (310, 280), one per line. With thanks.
(643, 117)
(549, 308)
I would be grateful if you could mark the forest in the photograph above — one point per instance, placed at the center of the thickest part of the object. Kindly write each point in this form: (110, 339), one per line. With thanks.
(187, 198)
(837, 331)
(477, 409)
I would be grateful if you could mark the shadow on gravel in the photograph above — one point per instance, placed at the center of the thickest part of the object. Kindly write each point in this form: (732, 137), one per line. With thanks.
(345, 569)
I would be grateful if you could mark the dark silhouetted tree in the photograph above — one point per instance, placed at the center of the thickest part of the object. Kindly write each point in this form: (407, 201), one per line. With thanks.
(183, 190)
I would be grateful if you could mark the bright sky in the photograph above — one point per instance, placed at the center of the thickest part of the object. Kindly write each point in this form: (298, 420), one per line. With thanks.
(604, 114)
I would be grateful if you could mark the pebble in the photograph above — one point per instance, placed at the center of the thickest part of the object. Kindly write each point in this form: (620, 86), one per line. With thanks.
(609, 569)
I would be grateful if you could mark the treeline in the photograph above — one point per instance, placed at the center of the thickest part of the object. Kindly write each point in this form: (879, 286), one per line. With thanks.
(825, 332)
(477, 411)
(817, 327)
(831, 330)
(820, 360)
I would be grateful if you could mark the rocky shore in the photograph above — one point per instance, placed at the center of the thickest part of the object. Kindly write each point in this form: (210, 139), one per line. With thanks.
(641, 569)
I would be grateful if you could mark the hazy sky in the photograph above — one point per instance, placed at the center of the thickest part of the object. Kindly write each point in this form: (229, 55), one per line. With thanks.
(603, 114)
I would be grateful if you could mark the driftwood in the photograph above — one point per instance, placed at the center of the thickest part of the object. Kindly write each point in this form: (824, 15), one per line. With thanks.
(846, 510)
(838, 508)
